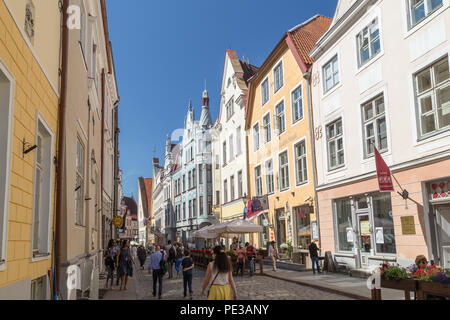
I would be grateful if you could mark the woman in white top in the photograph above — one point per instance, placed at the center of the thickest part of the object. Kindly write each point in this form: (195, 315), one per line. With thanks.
(219, 276)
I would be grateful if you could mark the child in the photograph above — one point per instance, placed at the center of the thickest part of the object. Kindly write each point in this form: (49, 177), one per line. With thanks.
(187, 264)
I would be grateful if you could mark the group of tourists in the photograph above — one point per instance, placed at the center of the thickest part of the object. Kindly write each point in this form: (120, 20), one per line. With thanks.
(121, 257)
(244, 255)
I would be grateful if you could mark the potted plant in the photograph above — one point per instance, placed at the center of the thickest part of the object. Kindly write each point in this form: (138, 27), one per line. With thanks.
(396, 277)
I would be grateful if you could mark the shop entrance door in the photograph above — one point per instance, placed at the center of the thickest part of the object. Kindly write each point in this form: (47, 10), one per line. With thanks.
(365, 238)
(443, 234)
(281, 227)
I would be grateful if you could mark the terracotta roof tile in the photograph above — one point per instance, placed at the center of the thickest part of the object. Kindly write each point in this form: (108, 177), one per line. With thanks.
(306, 35)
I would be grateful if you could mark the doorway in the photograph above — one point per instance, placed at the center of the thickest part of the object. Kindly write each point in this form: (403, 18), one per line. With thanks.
(280, 218)
(442, 227)
(365, 238)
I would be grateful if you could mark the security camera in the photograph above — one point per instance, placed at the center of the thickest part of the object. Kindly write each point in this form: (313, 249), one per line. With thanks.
(308, 199)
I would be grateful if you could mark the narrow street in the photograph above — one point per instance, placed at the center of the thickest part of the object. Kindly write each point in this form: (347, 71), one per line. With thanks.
(255, 288)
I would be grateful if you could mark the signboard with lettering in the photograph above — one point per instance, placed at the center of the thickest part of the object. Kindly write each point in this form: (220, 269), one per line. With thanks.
(408, 225)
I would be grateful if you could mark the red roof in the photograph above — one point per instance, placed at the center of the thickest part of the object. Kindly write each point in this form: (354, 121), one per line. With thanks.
(306, 35)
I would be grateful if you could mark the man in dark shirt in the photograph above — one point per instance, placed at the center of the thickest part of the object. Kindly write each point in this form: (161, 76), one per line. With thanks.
(314, 256)
(187, 264)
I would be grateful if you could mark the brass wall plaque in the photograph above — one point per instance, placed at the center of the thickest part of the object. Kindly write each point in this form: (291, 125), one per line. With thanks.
(408, 225)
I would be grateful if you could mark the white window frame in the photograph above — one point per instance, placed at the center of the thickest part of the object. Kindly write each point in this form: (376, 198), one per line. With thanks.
(46, 192)
(274, 73)
(303, 158)
(229, 107)
(225, 191)
(270, 189)
(333, 72)
(232, 190)
(224, 153)
(238, 141)
(373, 121)
(230, 142)
(432, 92)
(258, 181)
(266, 80)
(428, 12)
(276, 117)
(256, 137)
(267, 132)
(6, 147)
(280, 170)
(300, 101)
(372, 55)
(335, 139)
(240, 184)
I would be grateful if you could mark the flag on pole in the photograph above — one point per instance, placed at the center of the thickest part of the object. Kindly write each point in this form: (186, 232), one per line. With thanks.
(383, 173)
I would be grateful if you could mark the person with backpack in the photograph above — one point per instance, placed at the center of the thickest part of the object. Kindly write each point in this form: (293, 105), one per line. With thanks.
(155, 267)
(179, 258)
(251, 255)
(171, 258)
(142, 255)
(219, 277)
(187, 264)
(109, 255)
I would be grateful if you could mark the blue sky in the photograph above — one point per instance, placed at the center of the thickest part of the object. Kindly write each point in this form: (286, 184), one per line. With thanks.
(163, 51)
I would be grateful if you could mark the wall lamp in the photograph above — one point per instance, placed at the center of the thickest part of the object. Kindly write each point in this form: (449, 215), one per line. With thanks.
(27, 148)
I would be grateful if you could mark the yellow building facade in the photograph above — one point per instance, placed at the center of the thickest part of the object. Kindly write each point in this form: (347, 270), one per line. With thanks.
(29, 100)
(279, 145)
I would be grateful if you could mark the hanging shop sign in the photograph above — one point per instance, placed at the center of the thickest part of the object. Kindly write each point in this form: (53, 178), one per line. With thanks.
(383, 173)
(117, 221)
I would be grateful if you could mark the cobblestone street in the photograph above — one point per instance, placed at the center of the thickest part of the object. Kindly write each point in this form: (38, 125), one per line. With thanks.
(255, 288)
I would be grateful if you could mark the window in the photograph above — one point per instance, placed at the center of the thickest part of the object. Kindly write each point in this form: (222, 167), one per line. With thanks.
(201, 205)
(230, 108)
(38, 291)
(230, 141)
(238, 141)
(335, 144)
(258, 181)
(184, 182)
(79, 187)
(331, 74)
(284, 171)
(256, 137)
(374, 126)
(184, 210)
(240, 184)
(267, 135)
(278, 77)
(297, 105)
(433, 97)
(343, 217)
(280, 118)
(208, 173)
(382, 209)
(269, 176)
(190, 208)
(6, 134)
(301, 171)
(189, 180)
(194, 207)
(225, 191)
(210, 201)
(420, 9)
(42, 190)
(200, 173)
(303, 225)
(194, 178)
(224, 157)
(29, 21)
(217, 198)
(265, 91)
(368, 41)
(232, 188)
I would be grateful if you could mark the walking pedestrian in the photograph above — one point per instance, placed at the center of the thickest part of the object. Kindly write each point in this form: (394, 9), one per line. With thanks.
(109, 254)
(154, 267)
(142, 255)
(134, 251)
(219, 277)
(313, 249)
(116, 250)
(187, 264)
(251, 254)
(273, 254)
(125, 262)
(171, 258)
(179, 258)
(240, 260)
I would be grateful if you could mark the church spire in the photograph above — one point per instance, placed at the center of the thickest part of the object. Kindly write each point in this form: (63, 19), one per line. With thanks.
(205, 118)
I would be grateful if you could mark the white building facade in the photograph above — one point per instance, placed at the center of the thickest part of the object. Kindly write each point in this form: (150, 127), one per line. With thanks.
(381, 79)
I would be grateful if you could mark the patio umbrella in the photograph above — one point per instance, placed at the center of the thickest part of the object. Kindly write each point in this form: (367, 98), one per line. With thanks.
(236, 227)
(204, 233)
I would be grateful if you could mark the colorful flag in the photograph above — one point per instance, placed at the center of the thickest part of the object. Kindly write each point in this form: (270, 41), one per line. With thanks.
(383, 173)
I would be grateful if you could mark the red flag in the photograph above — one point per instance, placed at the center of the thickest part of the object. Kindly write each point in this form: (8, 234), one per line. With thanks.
(383, 172)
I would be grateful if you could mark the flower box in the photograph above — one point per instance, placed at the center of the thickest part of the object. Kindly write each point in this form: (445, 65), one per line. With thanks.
(436, 289)
(405, 284)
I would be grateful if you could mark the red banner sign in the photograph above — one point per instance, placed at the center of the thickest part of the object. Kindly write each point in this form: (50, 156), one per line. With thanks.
(384, 174)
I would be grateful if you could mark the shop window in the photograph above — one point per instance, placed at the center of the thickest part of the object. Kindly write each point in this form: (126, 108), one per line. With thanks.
(303, 225)
(264, 236)
(38, 289)
(384, 223)
(343, 222)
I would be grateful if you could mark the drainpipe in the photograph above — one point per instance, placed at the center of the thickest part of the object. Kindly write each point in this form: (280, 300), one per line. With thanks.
(60, 152)
(307, 76)
(116, 159)
(103, 147)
